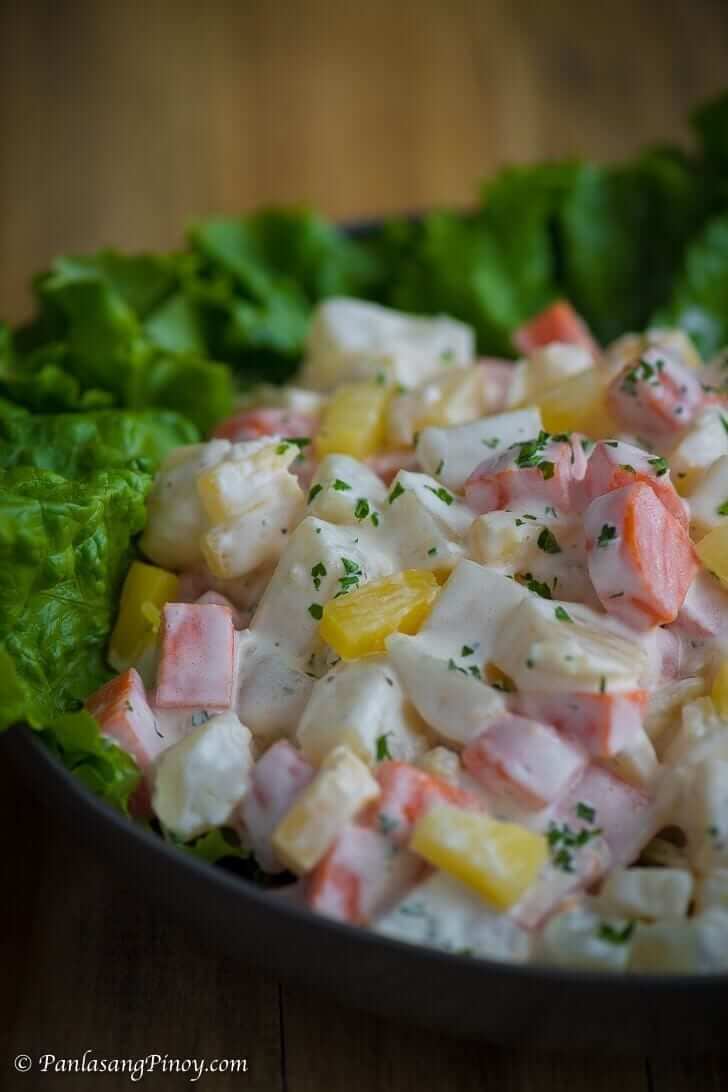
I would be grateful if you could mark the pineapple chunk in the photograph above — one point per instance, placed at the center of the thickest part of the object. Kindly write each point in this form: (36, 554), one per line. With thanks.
(546, 367)
(359, 623)
(340, 789)
(450, 399)
(237, 546)
(708, 499)
(578, 405)
(719, 692)
(353, 422)
(235, 485)
(146, 590)
(499, 860)
(713, 552)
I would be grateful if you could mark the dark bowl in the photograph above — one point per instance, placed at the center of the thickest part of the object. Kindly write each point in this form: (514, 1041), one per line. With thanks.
(531, 1006)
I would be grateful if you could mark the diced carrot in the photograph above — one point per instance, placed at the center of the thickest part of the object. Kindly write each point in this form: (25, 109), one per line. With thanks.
(614, 464)
(196, 666)
(525, 759)
(655, 394)
(604, 724)
(252, 424)
(407, 794)
(122, 710)
(641, 560)
(544, 469)
(361, 876)
(557, 322)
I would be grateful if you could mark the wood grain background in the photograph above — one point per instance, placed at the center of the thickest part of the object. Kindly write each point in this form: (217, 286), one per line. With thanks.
(120, 122)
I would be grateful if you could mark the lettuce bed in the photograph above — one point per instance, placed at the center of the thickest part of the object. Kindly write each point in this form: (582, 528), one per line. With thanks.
(128, 356)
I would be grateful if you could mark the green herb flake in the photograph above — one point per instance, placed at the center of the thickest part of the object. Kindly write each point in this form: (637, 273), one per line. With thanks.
(466, 650)
(613, 934)
(397, 491)
(547, 469)
(441, 494)
(547, 542)
(563, 615)
(361, 509)
(341, 487)
(660, 465)
(383, 751)
(317, 572)
(585, 811)
(439, 467)
(316, 611)
(607, 534)
(432, 551)
(722, 509)
(314, 492)
(492, 442)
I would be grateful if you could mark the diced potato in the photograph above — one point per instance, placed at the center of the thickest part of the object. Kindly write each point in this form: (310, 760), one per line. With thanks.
(353, 422)
(713, 891)
(339, 487)
(354, 339)
(499, 860)
(648, 892)
(453, 700)
(446, 914)
(709, 499)
(541, 650)
(235, 485)
(135, 630)
(578, 404)
(240, 545)
(503, 538)
(175, 515)
(665, 946)
(272, 692)
(340, 789)
(416, 537)
(453, 516)
(308, 573)
(451, 399)
(362, 705)
(719, 692)
(704, 442)
(713, 552)
(202, 779)
(452, 454)
(579, 938)
(358, 624)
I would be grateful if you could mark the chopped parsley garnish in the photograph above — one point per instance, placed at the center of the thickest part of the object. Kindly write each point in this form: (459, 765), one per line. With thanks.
(547, 542)
(722, 509)
(341, 487)
(611, 443)
(724, 422)
(585, 811)
(314, 492)
(536, 586)
(586, 445)
(607, 534)
(562, 615)
(603, 684)
(375, 518)
(475, 671)
(563, 842)
(614, 934)
(317, 572)
(396, 492)
(466, 650)
(299, 441)
(316, 611)
(199, 718)
(440, 466)
(493, 442)
(432, 551)
(529, 453)
(660, 465)
(351, 578)
(628, 468)
(283, 447)
(441, 494)
(547, 469)
(452, 666)
(549, 510)
(643, 372)
(383, 751)
(361, 509)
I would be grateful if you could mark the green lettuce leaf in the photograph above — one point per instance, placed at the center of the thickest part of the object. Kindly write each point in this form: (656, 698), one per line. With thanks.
(75, 444)
(710, 122)
(699, 300)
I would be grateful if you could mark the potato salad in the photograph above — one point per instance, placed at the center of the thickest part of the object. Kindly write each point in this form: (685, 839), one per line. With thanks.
(443, 640)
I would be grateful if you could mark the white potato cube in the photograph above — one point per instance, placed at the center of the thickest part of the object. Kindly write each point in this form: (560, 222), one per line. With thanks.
(453, 398)
(665, 946)
(579, 938)
(175, 515)
(236, 484)
(709, 499)
(352, 339)
(457, 705)
(704, 442)
(648, 892)
(306, 576)
(452, 454)
(272, 693)
(443, 913)
(412, 534)
(330, 499)
(452, 515)
(258, 536)
(200, 781)
(340, 789)
(712, 891)
(540, 650)
(360, 704)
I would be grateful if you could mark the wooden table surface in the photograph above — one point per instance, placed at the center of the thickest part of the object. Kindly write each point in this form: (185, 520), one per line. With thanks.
(119, 122)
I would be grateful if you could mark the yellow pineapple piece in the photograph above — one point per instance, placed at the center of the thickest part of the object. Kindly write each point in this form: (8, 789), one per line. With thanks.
(353, 422)
(500, 860)
(340, 789)
(713, 552)
(719, 692)
(146, 590)
(578, 405)
(358, 624)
